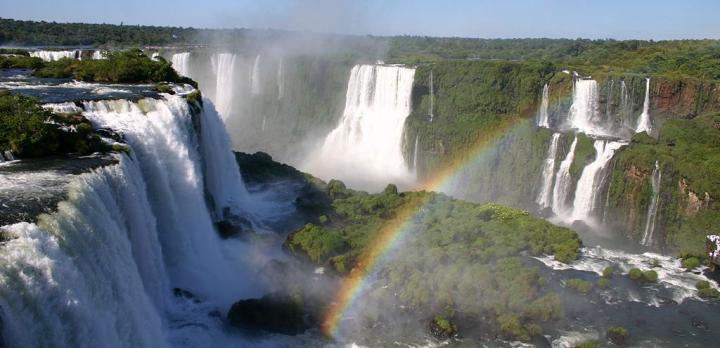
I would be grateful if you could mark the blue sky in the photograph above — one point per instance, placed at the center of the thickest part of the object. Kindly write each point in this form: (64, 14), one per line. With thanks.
(641, 19)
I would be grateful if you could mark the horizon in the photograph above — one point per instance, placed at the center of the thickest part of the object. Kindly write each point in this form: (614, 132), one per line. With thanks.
(693, 20)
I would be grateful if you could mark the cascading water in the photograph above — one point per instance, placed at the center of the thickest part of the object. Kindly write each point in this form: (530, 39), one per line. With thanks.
(583, 115)
(563, 182)
(544, 199)
(651, 218)
(281, 79)
(255, 77)
(51, 56)
(162, 138)
(181, 63)
(644, 123)
(224, 68)
(91, 274)
(415, 154)
(366, 146)
(544, 118)
(432, 98)
(608, 103)
(98, 55)
(588, 187)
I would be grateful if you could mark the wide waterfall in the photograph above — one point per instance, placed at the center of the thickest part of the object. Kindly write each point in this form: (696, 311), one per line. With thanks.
(563, 182)
(162, 139)
(180, 62)
(543, 117)
(544, 199)
(365, 148)
(644, 123)
(50, 56)
(91, 274)
(280, 79)
(224, 67)
(651, 218)
(589, 185)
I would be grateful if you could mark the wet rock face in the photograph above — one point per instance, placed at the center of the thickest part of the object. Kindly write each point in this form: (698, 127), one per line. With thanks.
(269, 314)
(685, 98)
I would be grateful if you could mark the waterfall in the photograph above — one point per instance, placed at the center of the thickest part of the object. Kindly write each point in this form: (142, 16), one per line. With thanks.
(544, 199)
(644, 124)
(544, 118)
(50, 56)
(281, 79)
(366, 146)
(222, 175)
(255, 77)
(651, 218)
(91, 274)
(583, 115)
(589, 185)
(224, 68)
(608, 102)
(98, 55)
(181, 63)
(415, 154)
(563, 182)
(162, 138)
(432, 97)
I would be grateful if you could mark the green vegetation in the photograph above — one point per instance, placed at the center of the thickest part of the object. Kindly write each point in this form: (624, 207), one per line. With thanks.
(691, 263)
(646, 276)
(706, 291)
(580, 285)
(689, 155)
(455, 254)
(130, 66)
(608, 272)
(20, 62)
(442, 327)
(25, 130)
(589, 344)
(617, 335)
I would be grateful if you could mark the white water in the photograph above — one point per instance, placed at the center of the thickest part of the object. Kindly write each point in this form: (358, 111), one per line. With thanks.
(563, 182)
(365, 148)
(161, 135)
(644, 123)
(544, 118)
(281, 79)
(255, 77)
(224, 68)
(50, 56)
(544, 199)
(671, 275)
(432, 97)
(651, 218)
(584, 115)
(589, 185)
(181, 63)
(98, 55)
(415, 154)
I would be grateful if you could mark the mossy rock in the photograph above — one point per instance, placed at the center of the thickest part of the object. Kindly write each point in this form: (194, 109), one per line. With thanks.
(270, 314)
(618, 335)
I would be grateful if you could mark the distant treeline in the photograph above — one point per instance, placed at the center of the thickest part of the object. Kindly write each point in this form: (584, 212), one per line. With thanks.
(697, 58)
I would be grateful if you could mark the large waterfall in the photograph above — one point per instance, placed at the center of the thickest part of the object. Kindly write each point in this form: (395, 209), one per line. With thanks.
(255, 76)
(544, 199)
(589, 185)
(224, 67)
(431, 112)
(651, 218)
(365, 148)
(563, 182)
(181, 63)
(644, 124)
(99, 272)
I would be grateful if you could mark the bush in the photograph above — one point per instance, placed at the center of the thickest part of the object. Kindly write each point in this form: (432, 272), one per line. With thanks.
(691, 263)
(603, 283)
(706, 291)
(650, 276)
(702, 284)
(608, 272)
(317, 242)
(617, 335)
(589, 344)
(580, 285)
(635, 274)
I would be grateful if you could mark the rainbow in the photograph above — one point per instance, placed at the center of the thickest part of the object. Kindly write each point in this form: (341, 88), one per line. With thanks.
(396, 228)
